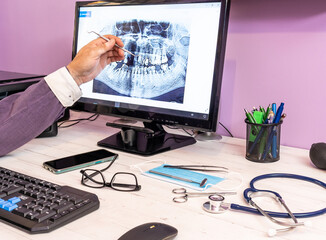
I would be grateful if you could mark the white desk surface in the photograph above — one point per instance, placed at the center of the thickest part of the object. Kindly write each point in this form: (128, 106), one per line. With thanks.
(121, 211)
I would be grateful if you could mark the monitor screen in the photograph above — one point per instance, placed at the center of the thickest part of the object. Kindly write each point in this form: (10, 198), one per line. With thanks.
(176, 73)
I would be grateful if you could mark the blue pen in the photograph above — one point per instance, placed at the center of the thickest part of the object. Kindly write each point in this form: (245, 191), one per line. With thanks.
(274, 108)
(272, 137)
(274, 140)
(279, 113)
(276, 120)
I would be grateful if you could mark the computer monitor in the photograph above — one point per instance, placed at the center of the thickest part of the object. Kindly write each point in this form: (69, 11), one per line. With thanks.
(174, 79)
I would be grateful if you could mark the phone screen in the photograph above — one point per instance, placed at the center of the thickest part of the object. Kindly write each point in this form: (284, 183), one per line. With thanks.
(80, 160)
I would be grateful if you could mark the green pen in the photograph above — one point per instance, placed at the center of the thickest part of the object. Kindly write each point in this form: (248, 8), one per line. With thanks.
(249, 116)
(251, 120)
(268, 109)
(262, 110)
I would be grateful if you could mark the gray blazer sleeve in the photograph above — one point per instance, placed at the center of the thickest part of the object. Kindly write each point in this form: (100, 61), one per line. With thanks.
(25, 115)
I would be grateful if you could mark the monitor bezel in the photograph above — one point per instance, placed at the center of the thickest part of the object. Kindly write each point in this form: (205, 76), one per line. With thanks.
(208, 125)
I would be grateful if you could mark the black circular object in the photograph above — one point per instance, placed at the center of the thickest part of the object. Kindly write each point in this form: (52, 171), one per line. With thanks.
(318, 155)
(203, 182)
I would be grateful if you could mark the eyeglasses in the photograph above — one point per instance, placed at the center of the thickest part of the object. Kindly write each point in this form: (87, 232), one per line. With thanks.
(121, 181)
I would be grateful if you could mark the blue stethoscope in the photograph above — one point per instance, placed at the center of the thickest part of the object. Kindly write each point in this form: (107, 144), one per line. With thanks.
(253, 192)
(247, 194)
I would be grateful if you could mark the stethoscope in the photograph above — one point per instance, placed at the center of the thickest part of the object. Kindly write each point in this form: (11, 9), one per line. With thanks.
(216, 204)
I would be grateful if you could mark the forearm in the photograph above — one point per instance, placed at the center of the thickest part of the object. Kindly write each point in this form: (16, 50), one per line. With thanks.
(25, 115)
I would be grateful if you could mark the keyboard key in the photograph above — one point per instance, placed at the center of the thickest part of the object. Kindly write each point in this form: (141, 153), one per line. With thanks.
(23, 183)
(63, 206)
(9, 206)
(14, 200)
(3, 203)
(30, 205)
(32, 215)
(55, 217)
(37, 194)
(14, 188)
(52, 205)
(45, 215)
(22, 211)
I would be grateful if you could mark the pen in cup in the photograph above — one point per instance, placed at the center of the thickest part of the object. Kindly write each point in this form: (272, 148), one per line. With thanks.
(251, 120)
(123, 49)
(267, 112)
(263, 111)
(272, 138)
(257, 139)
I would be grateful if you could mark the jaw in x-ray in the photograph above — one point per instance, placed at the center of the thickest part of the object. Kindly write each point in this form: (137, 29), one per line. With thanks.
(159, 69)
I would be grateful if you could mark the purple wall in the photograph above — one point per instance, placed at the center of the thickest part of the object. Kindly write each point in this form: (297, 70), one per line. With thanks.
(276, 52)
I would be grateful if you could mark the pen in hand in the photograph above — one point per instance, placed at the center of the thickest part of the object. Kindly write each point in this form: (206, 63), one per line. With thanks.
(123, 49)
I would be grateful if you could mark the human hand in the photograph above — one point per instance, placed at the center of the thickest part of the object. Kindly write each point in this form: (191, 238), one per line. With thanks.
(93, 58)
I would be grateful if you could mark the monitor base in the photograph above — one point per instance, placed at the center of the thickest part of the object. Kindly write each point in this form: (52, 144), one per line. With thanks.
(208, 136)
(145, 144)
(124, 121)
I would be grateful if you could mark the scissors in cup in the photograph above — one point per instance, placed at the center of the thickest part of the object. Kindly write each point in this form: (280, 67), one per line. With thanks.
(184, 195)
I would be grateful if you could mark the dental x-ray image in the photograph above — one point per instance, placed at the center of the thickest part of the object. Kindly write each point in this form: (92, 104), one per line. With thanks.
(158, 71)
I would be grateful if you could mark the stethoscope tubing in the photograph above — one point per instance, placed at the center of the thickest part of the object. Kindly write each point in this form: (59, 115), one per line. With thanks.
(285, 175)
(278, 214)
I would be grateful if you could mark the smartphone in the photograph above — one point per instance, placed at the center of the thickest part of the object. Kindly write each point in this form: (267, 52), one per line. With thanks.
(82, 160)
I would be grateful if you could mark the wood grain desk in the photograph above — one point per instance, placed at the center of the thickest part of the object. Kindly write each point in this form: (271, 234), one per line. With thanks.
(120, 211)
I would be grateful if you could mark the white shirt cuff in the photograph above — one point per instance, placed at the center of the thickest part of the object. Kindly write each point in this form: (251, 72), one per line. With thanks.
(64, 87)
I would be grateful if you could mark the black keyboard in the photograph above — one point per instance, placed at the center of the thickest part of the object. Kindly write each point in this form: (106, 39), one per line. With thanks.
(38, 206)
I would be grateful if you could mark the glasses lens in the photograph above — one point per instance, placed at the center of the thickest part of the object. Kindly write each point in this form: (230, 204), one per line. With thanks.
(124, 182)
(93, 178)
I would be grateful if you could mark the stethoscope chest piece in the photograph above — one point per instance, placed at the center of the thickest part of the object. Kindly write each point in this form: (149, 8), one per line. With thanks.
(214, 205)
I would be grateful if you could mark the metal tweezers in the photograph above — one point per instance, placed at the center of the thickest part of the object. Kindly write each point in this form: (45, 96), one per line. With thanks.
(203, 168)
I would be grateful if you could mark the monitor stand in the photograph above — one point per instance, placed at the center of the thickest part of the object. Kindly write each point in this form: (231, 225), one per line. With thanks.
(144, 142)
(125, 121)
(207, 136)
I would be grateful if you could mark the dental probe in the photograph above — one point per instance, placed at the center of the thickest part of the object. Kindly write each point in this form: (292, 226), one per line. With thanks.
(114, 44)
(201, 184)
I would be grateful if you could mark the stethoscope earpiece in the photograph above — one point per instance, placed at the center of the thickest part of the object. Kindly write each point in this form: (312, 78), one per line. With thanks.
(272, 232)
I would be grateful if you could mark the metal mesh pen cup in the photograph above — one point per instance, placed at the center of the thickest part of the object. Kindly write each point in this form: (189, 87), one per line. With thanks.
(263, 142)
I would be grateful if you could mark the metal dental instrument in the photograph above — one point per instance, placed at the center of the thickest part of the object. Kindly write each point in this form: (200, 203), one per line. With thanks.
(201, 184)
(184, 195)
(202, 168)
(123, 49)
